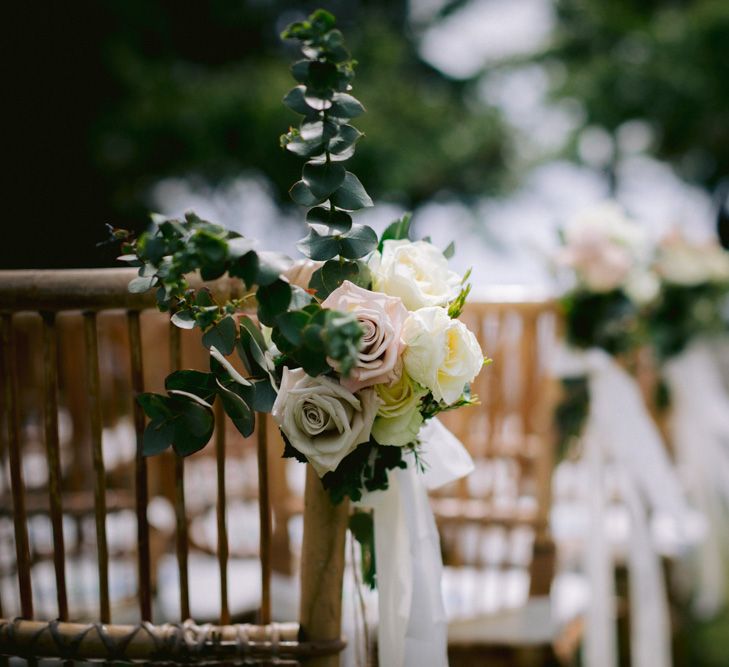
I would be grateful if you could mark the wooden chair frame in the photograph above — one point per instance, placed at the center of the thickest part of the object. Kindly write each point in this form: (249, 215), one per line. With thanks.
(315, 639)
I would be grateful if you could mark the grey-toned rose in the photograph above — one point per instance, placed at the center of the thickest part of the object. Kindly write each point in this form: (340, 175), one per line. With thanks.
(321, 419)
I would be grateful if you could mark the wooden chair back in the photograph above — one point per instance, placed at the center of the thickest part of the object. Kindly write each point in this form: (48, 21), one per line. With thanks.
(509, 436)
(76, 348)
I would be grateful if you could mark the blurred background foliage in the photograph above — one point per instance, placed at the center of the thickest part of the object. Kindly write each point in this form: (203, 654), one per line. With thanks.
(148, 89)
(114, 96)
(663, 62)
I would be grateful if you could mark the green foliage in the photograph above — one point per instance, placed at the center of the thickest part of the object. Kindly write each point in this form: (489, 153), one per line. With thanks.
(571, 412)
(365, 468)
(684, 312)
(661, 62)
(361, 524)
(609, 320)
(326, 137)
(455, 307)
(396, 231)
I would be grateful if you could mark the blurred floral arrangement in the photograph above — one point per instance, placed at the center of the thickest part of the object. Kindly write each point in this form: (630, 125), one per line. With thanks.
(626, 292)
(360, 344)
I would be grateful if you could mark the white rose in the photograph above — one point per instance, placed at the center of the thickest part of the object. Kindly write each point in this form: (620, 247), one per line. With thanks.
(603, 247)
(321, 419)
(441, 353)
(416, 271)
(642, 286)
(684, 262)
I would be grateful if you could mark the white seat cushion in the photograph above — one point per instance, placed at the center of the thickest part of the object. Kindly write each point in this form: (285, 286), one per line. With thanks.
(492, 606)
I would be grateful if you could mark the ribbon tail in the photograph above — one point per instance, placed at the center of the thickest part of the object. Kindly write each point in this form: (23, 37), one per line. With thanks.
(600, 632)
(650, 631)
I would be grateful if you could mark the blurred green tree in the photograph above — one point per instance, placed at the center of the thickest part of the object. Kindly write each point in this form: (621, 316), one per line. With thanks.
(120, 94)
(665, 62)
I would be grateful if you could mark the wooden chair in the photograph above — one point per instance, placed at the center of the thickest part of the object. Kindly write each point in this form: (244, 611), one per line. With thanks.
(498, 552)
(66, 338)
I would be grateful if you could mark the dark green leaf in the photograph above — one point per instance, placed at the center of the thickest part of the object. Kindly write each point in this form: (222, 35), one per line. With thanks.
(154, 405)
(318, 247)
(345, 106)
(237, 409)
(158, 436)
(397, 231)
(194, 425)
(302, 148)
(183, 319)
(351, 195)
(142, 284)
(204, 298)
(332, 220)
(252, 347)
(221, 336)
(292, 324)
(344, 140)
(294, 100)
(270, 266)
(273, 300)
(260, 395)
(323, 179)
(318, 131)
(357, 242)
(300, 70)
(450, 250)
(224, 370)
(330, 276)
(193, 382)
(301, 193)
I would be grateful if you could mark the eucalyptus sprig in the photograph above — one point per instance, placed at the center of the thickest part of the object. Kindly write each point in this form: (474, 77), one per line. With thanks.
(326, 139)
(306, 333)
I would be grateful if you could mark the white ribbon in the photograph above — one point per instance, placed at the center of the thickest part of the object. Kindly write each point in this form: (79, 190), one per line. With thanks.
(620, 431)
(700, 433)
(412, 627)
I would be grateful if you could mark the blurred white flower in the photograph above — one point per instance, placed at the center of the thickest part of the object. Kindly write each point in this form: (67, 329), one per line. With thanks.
(685, 263)
(603, 247)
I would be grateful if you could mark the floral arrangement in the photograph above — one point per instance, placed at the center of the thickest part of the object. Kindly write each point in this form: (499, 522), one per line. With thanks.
(694, 294)
(608, 259)
(626, 292)
(360, 343)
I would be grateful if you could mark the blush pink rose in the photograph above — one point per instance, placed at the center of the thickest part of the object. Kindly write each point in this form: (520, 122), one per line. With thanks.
(381, 317)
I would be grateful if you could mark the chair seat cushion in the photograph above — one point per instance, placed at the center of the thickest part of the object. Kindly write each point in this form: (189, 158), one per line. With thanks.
(494, 607)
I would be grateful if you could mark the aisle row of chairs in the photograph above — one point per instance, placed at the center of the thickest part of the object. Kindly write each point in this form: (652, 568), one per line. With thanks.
(91, 532)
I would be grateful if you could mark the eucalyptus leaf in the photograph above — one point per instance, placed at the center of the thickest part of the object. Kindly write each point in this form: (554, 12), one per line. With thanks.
(295, 101)
(357, 242)
(301, 193)
(237, 410)
(273, 300)
(344, 139)
(330, 276)
(331, 219)
(345, 106)
(221, 336)
(318, 247)
(193, 382)
(224, 370)
(142, 284)
(158, 436)
(351, 195)
(193, 426)
(323, 179)
(183, 319)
